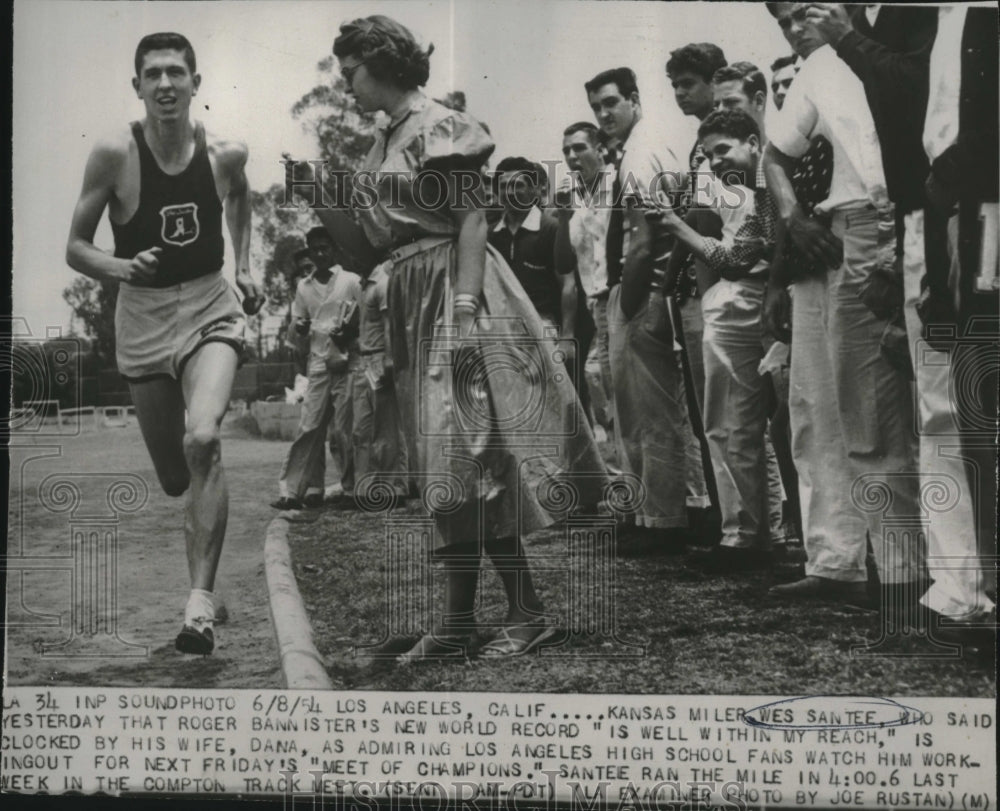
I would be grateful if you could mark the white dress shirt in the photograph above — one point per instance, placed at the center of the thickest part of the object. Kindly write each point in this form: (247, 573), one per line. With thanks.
(828, 99)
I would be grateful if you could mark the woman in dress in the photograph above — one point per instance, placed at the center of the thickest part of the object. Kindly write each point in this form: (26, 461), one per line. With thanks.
(502, 446)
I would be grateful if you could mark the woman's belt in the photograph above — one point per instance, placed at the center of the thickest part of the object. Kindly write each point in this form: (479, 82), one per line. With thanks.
(404, 252)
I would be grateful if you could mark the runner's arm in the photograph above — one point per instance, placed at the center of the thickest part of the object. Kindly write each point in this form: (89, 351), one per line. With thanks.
(239, 222)
(82, 255)
(238, 211)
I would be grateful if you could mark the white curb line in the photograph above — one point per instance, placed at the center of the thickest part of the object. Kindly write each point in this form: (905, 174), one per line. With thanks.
(301, 664)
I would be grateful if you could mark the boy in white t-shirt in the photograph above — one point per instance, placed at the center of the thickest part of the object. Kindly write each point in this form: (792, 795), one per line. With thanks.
(326, 307)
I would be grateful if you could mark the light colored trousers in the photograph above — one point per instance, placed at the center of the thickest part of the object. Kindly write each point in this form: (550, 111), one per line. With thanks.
(379, 444)
(735, 411)
(327, 403)
(692, 325)
(651, 417)
(853, 436)
(952, 562)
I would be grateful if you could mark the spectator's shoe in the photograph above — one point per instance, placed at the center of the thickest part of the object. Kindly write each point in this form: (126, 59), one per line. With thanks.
(976, 633)
(191, 640)
(287, 503)
(704, 526)
(811, 588)
(732, 559)
(313, 501)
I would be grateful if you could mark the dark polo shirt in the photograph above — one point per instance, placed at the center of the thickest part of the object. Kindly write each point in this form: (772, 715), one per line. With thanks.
(531, 254)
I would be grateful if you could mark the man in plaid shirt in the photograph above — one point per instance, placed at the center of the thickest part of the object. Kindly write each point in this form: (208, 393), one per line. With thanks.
(735, 408)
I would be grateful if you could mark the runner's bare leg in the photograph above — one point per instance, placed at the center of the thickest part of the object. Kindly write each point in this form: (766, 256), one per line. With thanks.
(159, 409)
(207, 383)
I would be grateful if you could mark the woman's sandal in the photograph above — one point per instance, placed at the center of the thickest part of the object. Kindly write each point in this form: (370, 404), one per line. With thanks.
(504, 645)
(435, 647)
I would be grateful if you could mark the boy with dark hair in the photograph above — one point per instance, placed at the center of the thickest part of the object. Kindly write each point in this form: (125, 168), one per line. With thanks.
(623, 78)
(650, 410)
(783, 70)
(735, 402)
(583, 209)
(325, 308)
(527, 238)
(741, 86)
(690, 70)
(851, 412)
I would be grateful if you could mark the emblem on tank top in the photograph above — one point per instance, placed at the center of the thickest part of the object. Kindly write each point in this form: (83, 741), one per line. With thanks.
(179, 224)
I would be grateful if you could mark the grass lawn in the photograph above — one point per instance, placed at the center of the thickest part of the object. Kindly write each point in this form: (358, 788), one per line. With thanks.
(672, 631)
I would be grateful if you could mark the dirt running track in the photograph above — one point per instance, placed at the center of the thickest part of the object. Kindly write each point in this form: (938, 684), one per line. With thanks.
(152, 580)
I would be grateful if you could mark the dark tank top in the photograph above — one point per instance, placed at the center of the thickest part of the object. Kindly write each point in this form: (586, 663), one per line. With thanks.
(180, 213)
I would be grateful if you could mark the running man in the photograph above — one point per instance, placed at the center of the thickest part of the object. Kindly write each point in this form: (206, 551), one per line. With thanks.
(179, 328)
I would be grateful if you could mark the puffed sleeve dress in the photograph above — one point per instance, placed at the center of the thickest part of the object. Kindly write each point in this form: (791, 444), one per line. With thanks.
(501, 444)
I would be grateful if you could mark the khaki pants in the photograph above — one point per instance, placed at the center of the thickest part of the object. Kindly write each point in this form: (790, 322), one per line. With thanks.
(952, 562)
(735, 411)
(327, 403)
(852, 421)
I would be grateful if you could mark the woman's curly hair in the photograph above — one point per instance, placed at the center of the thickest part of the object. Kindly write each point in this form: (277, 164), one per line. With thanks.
(389, 50)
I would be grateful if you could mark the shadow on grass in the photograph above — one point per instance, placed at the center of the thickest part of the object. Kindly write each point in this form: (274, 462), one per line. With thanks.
(668, 630)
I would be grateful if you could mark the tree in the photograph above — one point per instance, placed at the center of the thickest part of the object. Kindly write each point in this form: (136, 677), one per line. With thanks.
(343, 137)
(93, 304)
(277, 233)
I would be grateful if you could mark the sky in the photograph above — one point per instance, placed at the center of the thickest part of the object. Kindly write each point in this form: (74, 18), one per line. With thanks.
(521, 64)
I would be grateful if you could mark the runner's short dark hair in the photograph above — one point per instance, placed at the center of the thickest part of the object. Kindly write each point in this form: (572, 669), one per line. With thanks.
(747, 72)
(699, 58)
(165, 41)
(622, 78)
(730, 123)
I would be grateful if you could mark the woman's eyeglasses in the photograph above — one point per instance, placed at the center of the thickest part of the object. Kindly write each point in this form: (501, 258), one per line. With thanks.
(348, 71)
